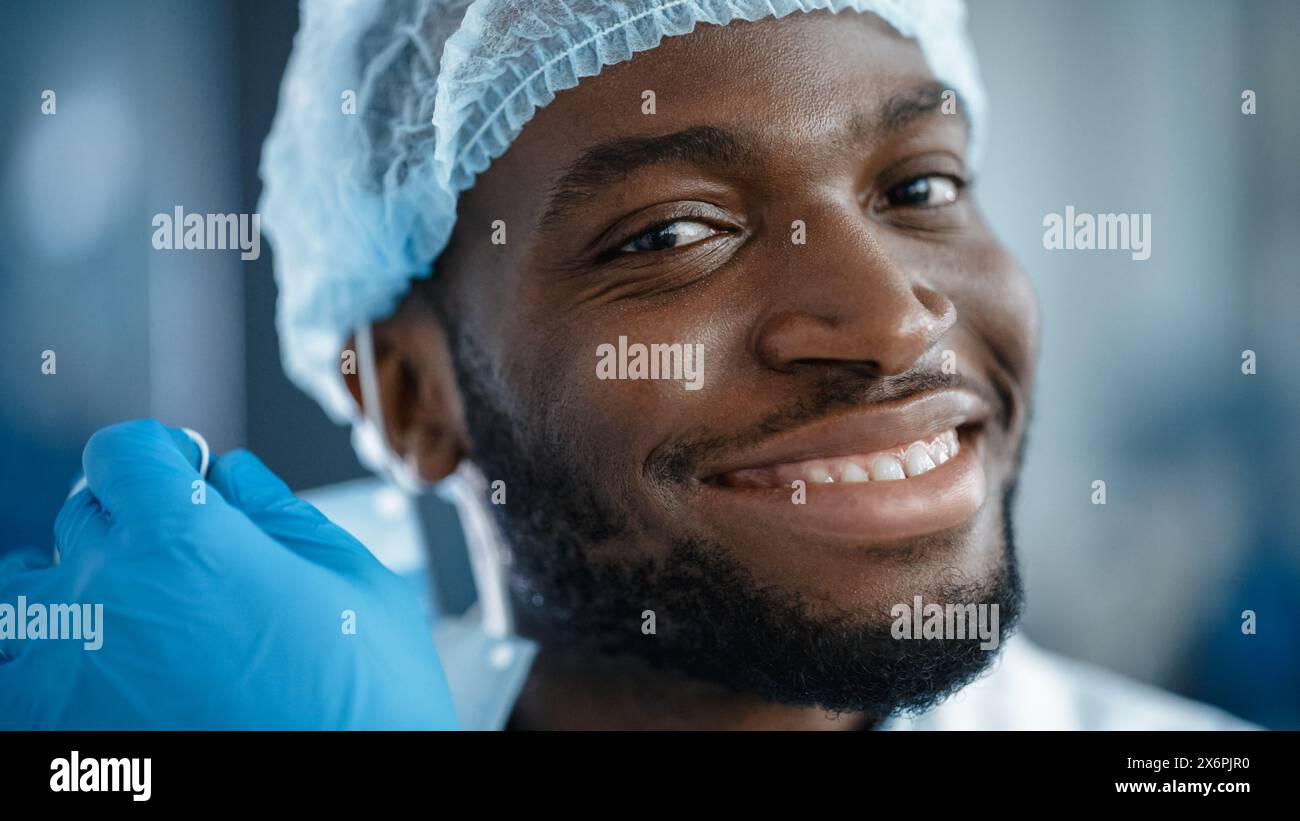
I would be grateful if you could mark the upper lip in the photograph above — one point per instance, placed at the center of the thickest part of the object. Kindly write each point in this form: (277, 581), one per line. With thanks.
(863, 430)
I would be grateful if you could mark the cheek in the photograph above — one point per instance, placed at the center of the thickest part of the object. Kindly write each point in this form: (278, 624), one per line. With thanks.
(997, 301)
(595, 379)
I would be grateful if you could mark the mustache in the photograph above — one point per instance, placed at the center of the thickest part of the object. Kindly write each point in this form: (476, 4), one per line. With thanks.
(827, 396)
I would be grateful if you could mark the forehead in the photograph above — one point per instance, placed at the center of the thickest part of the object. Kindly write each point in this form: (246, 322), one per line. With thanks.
(792, 82)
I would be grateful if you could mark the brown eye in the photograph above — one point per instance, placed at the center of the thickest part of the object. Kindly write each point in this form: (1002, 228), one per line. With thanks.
(931, 191)
(669, 235)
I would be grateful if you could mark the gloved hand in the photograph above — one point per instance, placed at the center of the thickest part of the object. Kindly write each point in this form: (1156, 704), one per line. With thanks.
(229, 614)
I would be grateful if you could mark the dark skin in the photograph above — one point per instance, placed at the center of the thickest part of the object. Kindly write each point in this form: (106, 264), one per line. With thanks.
(832, 120)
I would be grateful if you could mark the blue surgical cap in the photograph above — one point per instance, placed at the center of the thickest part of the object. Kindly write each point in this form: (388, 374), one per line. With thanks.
(390, 108)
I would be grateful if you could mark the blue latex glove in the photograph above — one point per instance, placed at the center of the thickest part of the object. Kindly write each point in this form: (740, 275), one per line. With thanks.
(228, 614)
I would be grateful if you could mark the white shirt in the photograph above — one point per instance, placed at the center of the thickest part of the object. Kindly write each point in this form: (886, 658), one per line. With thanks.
(1029, 688)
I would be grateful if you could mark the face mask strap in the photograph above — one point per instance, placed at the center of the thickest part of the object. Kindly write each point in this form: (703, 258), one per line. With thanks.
(465, 488)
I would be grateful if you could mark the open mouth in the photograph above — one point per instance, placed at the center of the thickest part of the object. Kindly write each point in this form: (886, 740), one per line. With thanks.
(900, 462)
(874, 476)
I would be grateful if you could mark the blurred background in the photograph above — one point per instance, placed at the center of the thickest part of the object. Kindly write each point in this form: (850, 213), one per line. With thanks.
(1115, 106)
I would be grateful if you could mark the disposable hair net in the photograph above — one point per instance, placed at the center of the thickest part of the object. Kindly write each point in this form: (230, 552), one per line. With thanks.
(356, 203)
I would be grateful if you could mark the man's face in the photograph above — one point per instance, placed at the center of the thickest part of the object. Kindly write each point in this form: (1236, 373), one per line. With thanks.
(794, 205)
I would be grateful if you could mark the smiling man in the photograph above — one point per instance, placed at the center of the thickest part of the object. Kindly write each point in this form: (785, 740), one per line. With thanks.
(782, 191)
(688, 306)
(828, 470)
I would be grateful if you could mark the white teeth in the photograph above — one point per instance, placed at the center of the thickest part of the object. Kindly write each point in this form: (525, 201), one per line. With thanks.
(939, 450)
(818, 474)
(892, 464)
(917, 460)
(886, 468)
(853, 473)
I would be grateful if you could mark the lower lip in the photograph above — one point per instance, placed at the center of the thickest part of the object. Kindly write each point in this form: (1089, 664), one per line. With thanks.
(868, 512)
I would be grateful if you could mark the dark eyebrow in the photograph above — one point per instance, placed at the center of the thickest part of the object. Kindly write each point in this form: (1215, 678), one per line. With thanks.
(903, 109)
(609, 162)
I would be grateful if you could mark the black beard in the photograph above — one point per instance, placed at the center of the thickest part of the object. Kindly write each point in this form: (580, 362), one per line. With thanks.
(714, 622)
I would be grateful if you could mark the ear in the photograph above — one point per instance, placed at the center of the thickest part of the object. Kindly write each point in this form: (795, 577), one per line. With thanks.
(424, 418)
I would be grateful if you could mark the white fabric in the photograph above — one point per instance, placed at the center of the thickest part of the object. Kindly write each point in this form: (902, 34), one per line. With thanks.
(356, 205)
(1031, 689)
